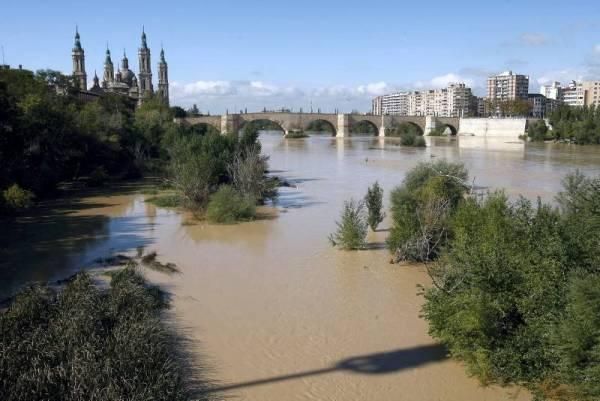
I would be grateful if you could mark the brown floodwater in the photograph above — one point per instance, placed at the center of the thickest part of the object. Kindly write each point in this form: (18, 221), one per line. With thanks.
(277, 313)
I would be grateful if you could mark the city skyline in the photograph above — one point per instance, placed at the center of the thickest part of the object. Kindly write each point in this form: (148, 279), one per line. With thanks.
(337, 55)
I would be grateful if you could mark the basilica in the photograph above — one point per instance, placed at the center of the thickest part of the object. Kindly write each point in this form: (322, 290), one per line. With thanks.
(123, 81)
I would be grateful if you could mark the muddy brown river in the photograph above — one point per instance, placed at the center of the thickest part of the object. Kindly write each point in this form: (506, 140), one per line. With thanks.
(275, 311)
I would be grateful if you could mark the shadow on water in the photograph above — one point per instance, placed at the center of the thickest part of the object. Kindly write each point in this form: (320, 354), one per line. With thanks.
(373, 364)
(294, 200)
(56, 239)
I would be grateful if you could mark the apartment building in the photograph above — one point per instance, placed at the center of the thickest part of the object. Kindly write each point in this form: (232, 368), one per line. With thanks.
(574, 94)
(452, 101)
(552, 91)
(591, 91)
(507, 86)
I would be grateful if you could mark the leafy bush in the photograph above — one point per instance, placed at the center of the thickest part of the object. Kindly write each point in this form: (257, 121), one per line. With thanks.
(351, 231)
(84, 343)
(421, 207)
(374, 202)
(16, 198)
(247, 171)
(296, 135)
(538, 131)
(409, 134)
(171, 201)
(229, 206)
(516, 295)
(98, 177)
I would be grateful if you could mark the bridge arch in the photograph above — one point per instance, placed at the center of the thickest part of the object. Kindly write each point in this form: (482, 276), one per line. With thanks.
(364, 127)
(320, 125)
(263, 124)
(405, 126)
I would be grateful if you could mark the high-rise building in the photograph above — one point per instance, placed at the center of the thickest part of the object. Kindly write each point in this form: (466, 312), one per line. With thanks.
(452, 101)
(552, 91)
(507, 86)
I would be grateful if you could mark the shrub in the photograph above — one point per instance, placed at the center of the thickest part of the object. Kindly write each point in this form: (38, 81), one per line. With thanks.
(351, 230)
(374, 202)
(84, 343)
(17, 198)
(538, 131)
(296, 135)
(229, 206)
(409, 134)
(247, 172)
(98, 177)
(421, 207)
(578, 339)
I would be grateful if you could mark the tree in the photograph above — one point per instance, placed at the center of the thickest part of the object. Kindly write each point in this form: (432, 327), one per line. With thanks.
(374, 202)
(421, 208)
(352, 228)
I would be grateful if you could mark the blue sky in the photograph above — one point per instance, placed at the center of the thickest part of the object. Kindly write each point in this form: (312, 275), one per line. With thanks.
(335, 54)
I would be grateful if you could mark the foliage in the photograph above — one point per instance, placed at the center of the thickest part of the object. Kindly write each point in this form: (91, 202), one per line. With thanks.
(296, 135)
(421, 208)
(49, 135)
(247, 171)
(516, 294)
(577, 339)
(85, 343)
(170, 201)
(321, 126)
(198, 164)
(374, 202)
(352, 228)
(15, 198)
(409, 134)
(229, 206)
(364, 127)
(98, 177)
(507, 108)
(580, 125)
(538, 131)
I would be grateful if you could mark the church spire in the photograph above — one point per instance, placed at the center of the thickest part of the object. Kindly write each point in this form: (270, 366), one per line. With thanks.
(145, 73)
(163, 78)
(109, 70)
(78, 56)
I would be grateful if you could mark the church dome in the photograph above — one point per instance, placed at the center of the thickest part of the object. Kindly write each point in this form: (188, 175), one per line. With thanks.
(127, 76)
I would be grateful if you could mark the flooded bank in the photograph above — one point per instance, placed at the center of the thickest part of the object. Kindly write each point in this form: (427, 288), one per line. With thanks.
(278, 313)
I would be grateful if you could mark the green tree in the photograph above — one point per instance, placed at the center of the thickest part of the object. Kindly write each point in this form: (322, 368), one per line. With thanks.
(351, 232)
(374, 202)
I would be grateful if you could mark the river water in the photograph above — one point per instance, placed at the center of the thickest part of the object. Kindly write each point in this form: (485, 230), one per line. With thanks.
(277, 313)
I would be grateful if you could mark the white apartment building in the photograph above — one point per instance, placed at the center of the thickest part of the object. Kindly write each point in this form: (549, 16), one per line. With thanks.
(452, 101)
(552, 91)
(574, 94)
(507, 86)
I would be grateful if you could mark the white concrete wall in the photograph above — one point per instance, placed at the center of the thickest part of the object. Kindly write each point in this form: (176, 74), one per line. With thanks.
(493, 127)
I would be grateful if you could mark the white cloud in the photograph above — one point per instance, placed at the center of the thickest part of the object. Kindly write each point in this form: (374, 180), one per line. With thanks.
(217, 96)
(596, 49)
(533, 39)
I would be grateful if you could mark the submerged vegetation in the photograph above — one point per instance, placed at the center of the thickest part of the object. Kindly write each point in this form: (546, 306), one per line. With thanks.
(374, 202)
(86, 343)
(351, 232)
(421, 210)
(409, 134)
(514, 293)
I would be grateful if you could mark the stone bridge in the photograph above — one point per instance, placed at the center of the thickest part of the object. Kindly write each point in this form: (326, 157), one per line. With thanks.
(341, 124)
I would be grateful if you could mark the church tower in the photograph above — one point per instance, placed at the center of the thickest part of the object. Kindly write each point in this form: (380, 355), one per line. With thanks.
(163, 78)
(79, 63)
(109, 70)
(145, 74)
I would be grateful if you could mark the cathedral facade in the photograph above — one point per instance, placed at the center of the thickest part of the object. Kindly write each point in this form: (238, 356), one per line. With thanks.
(123, 81)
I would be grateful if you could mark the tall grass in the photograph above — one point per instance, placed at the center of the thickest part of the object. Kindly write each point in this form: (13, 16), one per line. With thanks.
(84, 343)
